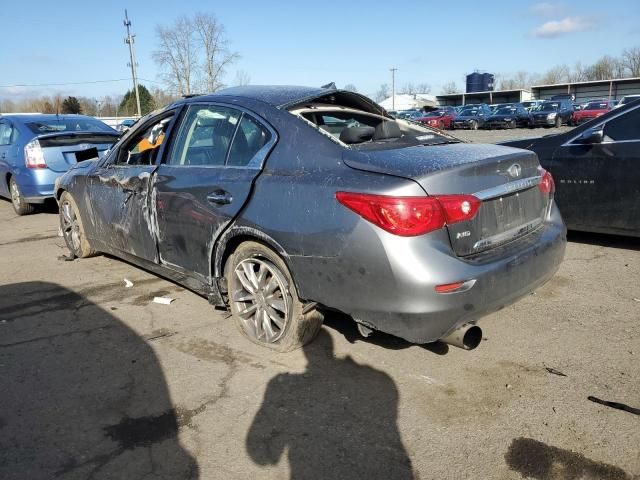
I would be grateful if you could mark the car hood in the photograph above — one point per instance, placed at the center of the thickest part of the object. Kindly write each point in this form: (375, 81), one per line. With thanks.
(589, 113)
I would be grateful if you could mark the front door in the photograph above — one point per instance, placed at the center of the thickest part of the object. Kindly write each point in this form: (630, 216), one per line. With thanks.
(599, 184)
(119, 192)
(205, 180)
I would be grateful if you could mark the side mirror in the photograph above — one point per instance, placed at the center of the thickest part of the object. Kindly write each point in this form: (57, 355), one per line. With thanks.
(592, 135)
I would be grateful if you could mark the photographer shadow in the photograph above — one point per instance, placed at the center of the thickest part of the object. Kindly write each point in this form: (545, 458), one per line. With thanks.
(81, 394)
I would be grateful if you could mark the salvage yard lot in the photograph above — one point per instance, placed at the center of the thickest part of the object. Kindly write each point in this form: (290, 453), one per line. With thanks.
(95, 379)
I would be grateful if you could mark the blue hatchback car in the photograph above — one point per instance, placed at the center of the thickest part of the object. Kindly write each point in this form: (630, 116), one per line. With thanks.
(35, 149)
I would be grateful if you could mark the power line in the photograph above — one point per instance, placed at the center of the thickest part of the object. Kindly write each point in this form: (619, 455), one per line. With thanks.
(88, 82)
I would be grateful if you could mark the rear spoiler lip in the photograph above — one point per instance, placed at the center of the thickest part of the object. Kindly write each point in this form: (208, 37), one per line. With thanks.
(81, 133)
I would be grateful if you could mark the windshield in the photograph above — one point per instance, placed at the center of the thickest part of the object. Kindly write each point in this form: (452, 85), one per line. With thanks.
(506, 111)
(597, 106)
(469, 111)
(436, 113)
(549, 107)
(80, 124)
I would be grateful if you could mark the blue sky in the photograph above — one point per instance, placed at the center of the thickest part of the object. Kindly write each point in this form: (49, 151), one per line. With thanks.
(295, 42)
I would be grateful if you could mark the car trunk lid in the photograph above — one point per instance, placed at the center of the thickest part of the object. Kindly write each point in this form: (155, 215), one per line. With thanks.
(505, 180)
(62, 150)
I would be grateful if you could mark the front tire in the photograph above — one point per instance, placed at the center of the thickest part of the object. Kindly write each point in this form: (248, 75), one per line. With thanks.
(17, 200)
(72, 229)
(558, 122)
(264, 301)
(473, 125)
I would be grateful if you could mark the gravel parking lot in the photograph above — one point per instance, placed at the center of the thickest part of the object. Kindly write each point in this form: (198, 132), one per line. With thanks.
(96, 381)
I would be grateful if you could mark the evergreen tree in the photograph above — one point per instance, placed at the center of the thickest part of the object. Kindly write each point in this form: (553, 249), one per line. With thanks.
(128, 105)
(71, 105)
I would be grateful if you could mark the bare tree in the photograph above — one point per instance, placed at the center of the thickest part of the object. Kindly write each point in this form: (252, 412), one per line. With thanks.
(449, 88)
(603, 69)
(631, 60)
(176, 55)
(351, 87)
(242, 78)
(557, 74)
(382, 93)
(423, 88)
(578, 74)
(408, 88)
(215, 49)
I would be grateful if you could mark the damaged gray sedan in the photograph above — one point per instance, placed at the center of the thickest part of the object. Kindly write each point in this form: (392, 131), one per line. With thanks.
(284, 203)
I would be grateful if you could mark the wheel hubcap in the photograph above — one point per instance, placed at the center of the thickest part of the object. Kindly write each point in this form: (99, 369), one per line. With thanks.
(70, 225)
(15, 193)
(261, 299)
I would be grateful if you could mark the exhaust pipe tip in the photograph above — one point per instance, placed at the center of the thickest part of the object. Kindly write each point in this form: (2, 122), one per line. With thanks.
(466, 337)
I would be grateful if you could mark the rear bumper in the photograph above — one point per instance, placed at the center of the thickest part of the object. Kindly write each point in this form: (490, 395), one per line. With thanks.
(36, 185)
(390, 286)
(545, 122)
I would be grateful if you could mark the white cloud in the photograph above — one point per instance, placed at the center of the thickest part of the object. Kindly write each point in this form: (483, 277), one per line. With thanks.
(556, 28)
(546, 9)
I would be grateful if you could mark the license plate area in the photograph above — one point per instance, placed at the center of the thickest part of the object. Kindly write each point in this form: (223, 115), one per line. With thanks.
(88, 154)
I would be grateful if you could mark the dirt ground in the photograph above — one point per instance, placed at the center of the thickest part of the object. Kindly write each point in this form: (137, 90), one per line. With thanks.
(96, 381)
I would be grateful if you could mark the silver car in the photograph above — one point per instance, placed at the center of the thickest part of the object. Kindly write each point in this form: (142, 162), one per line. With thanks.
(284, 203)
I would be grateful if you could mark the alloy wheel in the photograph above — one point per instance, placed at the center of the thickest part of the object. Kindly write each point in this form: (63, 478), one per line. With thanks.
(261, 299)
(70, 226)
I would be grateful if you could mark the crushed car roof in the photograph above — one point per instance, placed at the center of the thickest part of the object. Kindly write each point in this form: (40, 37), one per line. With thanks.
(276, 95)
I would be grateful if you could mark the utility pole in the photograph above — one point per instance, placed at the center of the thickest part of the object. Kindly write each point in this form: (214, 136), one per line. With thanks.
(393, 88)
(132, 57)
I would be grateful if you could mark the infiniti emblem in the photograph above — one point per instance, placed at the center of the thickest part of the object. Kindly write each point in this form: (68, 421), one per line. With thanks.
(514, 170)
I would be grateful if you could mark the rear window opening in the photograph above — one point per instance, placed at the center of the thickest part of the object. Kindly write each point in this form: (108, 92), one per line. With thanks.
(59, 125)
(364, 130)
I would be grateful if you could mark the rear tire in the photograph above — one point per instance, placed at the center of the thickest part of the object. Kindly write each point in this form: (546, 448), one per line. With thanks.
(17, 200)
(264, 301)
(72, 229)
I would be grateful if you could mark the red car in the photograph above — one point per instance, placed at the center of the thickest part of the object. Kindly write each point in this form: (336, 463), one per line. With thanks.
(592, 110)
(442, 118)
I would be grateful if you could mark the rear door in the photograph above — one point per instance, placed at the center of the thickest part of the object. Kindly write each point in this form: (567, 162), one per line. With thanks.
(119, 191)
(205, 180)
(599, 184)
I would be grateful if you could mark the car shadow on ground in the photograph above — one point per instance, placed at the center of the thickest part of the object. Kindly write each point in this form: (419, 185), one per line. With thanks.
(337, 419)
(604, 240)
(81, 394)
(348, 327)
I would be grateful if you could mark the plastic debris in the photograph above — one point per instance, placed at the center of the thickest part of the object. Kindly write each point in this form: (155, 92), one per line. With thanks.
(616, 405)
(128, 283)
(555, 372)
(162, 300)
(67, 258)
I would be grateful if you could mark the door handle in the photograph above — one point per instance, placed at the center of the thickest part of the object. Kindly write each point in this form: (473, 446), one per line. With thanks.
(220, 197)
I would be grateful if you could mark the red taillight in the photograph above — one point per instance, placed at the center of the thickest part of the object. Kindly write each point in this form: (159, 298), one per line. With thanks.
(411, 216)
(33, 155)
(459, 208)
(547, 185)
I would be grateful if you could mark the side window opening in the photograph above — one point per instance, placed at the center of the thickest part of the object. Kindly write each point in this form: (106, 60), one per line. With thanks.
(5, 133)
(249, 139)
(205, 136)
(624, 127)
(143, 149)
